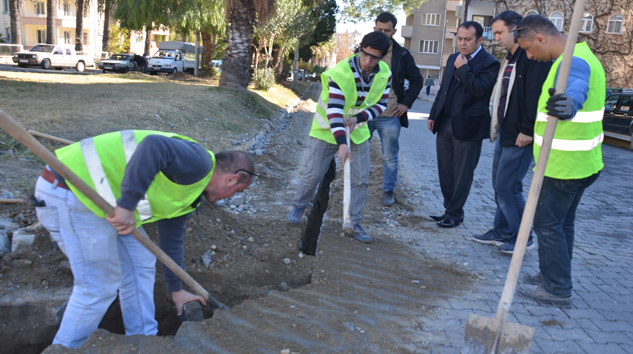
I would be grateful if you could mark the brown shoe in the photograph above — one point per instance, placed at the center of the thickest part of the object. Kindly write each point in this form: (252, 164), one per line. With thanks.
(538, 294)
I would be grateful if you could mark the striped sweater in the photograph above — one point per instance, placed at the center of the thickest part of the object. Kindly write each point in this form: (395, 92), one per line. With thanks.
(336, 100)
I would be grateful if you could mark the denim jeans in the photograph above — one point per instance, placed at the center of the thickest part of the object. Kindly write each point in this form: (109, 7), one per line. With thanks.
(103, 264)
(389, 130)
(509, 167)
(321, 154)
(554, 227)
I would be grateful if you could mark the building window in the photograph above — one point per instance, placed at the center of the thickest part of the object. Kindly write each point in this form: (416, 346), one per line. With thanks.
(41, 36)
(67, 37)
(429, 47)
(531, 12)
(557, 19)
(85, 38)
(615, 24)
(7, 32)
(587, 23)
(67, 9)
(430, 19)
(40, 8)
(6, 7)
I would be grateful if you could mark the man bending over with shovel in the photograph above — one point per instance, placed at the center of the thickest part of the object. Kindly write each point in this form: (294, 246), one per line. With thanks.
(354, 91)
(575, 159)
(150, 176)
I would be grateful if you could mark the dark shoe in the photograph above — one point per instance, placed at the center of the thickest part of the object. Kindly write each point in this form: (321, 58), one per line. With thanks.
(538, 294)
(438, 217)
(508, 247)
(491, 237)
(361, 235)
(534, 279)
(295, 214)
(449, 222)
(387, 198)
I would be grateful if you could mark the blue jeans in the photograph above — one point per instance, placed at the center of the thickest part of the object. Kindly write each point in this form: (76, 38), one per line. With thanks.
(509, 167)
(554, 227)
(104, 265)
(389, 130)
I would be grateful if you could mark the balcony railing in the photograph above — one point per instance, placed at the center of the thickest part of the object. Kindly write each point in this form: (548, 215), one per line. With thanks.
(488, 33)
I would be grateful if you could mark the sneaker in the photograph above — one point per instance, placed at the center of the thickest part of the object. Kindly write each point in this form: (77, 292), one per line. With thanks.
(361, 235)
(540, 295)
(508, 247)
(387, 198)
(534, 279)
(295, 214)
(491, 237)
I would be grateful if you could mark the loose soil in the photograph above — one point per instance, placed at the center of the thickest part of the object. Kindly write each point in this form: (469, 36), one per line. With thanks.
(254, 249)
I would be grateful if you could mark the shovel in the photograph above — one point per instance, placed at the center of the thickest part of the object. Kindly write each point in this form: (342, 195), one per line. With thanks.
(347, 191)
(496, 335)
(20, 134)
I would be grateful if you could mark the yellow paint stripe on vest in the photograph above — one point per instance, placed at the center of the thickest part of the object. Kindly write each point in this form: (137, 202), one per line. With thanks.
(97, 174)
(580, 117)
(572, 145)
(128, 139)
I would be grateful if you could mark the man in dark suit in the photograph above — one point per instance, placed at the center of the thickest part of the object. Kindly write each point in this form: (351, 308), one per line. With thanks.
(461, 118)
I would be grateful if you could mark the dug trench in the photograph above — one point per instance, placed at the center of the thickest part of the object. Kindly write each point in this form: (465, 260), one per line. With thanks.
(246, 255)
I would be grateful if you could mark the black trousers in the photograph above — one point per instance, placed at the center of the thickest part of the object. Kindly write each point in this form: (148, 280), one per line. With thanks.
(456, 163)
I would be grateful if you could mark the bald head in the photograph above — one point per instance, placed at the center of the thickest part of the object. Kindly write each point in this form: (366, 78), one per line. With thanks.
(235, 162)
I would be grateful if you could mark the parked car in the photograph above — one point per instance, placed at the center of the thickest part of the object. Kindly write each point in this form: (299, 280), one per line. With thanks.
(121, 63)
(618, 115)
(53, 56)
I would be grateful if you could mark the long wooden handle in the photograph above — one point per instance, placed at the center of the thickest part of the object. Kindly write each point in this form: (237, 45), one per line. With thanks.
(50, 137)
(347, 190)
(20, 134)
(539, 173)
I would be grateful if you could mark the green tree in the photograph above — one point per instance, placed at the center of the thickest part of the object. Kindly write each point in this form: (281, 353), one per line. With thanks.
(367, 10)
(139, 15)
(236, 65)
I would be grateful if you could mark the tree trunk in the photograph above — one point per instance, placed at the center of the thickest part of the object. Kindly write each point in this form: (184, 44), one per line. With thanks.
(79, 29)
(208, 46)
(278, 56)
(51, 18)
(148, 41)
(105, 47)
(236, 65)
(16, 21)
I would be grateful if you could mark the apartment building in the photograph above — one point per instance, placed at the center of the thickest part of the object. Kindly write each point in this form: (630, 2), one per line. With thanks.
(430, 31)
(607, 27)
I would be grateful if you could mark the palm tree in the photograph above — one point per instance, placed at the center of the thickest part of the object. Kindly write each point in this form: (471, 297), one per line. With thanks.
(79, 26)
(107, 11)
(51, 17)
(236, 65)
(16, 21)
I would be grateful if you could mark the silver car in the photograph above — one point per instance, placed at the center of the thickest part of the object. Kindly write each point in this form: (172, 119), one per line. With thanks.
(119, 63)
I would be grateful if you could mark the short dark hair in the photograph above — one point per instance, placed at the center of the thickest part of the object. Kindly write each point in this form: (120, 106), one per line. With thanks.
(376, 40)
(510, 18)
(533, 24)
(387, 17)
(233, 161)
(479, 31)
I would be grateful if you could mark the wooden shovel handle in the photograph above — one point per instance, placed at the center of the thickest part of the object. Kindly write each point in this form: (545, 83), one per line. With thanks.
(539, 172)
(20, 134)
(347, 190)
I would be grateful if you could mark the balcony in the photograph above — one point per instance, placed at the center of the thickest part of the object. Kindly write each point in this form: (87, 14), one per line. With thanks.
(488, 33)
(406, 31)
(451, 5)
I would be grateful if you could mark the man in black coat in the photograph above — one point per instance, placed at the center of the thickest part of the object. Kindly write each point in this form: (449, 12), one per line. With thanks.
(461, 118)
(514, 103)
(388, 125)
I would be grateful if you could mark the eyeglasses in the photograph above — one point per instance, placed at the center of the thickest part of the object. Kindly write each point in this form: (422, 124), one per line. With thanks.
(516, 32)
(247, 171)
(371, 55)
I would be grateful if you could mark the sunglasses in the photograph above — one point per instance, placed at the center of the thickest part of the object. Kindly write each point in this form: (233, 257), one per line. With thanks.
(371, 55)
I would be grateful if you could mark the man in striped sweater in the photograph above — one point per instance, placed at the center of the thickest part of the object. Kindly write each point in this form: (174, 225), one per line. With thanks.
(354, 91)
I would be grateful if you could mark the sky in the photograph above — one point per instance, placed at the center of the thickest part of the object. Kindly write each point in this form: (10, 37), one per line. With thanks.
(366, 27)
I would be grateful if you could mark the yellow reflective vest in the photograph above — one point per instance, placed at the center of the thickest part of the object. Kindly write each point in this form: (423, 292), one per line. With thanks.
(100, 161)
(577, 146)
(342, 74)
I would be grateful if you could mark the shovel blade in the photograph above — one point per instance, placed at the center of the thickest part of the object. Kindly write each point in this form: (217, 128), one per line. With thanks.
(481, 335)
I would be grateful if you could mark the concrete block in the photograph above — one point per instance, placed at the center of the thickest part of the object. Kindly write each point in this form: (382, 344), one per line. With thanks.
(22, 241)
